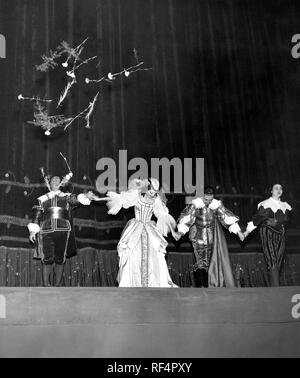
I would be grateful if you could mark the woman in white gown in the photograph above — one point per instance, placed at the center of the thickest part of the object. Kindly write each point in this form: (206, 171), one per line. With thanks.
(142, 246)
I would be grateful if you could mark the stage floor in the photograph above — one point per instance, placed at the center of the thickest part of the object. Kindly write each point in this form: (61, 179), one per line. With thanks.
(138, 322)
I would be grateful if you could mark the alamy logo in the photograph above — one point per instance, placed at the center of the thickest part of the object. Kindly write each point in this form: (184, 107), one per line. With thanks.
(2, 47)
(296, 307)
(2, 307)
(176, 175)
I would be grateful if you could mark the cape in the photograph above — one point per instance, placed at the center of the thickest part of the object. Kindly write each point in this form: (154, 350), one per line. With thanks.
(220, 272)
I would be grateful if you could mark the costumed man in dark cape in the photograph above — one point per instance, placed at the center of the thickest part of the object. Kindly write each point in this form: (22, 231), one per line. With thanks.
(203, 218)
(51, 228)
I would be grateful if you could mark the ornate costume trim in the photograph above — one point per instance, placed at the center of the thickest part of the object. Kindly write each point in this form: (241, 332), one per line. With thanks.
(274, 205)
(51, 195)
(199, 204)
(144, 259)
(215, 204)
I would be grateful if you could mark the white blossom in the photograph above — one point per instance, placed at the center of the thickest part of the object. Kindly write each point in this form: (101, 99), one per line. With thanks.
(71, 74)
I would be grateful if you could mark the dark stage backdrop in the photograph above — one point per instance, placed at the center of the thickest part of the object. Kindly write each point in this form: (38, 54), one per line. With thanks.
(223, 86)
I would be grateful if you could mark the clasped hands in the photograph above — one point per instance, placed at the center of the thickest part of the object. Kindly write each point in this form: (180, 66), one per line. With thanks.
(243, 235)
(91, 196)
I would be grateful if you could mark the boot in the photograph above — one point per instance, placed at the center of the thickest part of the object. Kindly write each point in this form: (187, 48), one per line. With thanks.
(274, 276)
(201, 278)
(59, 269)
(204, 278)
(47, 270)
(197, 278)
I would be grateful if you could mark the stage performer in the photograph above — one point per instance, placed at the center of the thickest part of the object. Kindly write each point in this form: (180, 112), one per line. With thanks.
(272, 218)
(202, 218)
(51, 228)
(142, 246)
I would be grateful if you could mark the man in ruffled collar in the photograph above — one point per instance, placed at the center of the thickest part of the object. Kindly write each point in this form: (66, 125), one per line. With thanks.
(202, 217)
(272, 218)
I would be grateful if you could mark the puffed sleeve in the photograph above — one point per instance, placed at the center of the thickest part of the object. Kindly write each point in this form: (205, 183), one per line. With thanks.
(186, 219)
(228, 219)
(78, 200)
(34, 225)
(258, 218)
(165, 222)
(124, 199)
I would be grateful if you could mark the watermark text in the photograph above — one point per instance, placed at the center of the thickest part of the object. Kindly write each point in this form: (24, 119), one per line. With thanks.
(2, 47)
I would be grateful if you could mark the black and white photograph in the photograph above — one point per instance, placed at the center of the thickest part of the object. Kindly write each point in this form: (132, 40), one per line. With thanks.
(149, 182)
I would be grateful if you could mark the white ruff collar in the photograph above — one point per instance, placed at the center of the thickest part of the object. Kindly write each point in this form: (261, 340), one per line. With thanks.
(274, 205)
(50, 195)
(57, 193)
(199, 204)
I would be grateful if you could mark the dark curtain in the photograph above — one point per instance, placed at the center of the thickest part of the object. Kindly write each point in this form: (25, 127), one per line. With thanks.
(94, 267)
(223, 86)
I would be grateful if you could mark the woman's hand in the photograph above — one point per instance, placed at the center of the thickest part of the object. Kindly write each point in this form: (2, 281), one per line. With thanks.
(246, 233)
(177, 235)
(241, 236)
(92, 197)
(32, 238)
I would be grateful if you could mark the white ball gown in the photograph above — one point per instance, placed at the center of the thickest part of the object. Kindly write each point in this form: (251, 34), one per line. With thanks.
(142, 246)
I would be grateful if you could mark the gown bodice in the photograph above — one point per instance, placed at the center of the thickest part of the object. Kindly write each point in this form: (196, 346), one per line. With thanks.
(143, 211)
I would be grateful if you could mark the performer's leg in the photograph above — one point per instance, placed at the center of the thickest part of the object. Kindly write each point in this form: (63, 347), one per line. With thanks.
(202, 256)
(59, 270)
(273, 244)
(48, 257)
(61, 241)
(197, 278)
(47, 270)
(201, 278)
(204, 278)
(274, 276)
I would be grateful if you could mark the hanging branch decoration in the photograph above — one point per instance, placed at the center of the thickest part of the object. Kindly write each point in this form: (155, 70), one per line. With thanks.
(45, 121)
(34, 98)
(49, 62)
(65, 92)
(86, 114)
(126, 71)
(48, 122)
(75, 52)
(90, 111)
(72, 75)
(135, 53)
(72, 63)
(72, 53)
